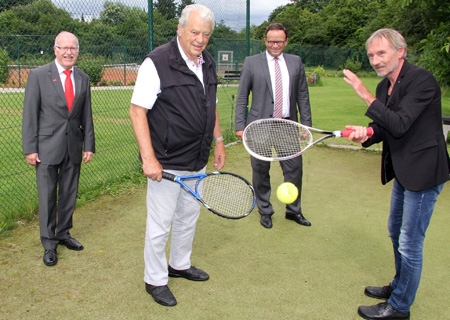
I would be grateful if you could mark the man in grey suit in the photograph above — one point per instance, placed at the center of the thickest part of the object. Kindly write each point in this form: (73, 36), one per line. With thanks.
(57, 122)
(259, 76)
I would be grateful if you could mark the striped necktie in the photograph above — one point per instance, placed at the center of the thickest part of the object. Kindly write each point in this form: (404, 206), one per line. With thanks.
(278, 109)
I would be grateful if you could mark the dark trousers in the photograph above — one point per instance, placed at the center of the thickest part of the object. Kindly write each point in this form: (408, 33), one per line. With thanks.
(292, 172)
(57, 194)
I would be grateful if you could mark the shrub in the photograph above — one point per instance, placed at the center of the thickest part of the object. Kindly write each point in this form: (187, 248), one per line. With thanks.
(353, 65)
(436, 57)
(93, 67)
(4, 69)
(320, 71)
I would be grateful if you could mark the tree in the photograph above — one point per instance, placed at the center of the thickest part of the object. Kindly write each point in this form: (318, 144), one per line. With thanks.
(303, 26)
(8, 4)
(222, 31)
(422, 3)
(435, 51)
(113, 13)
(182, 5)
(436, 56)
(273, 15)
(314, 6)
(167, 8)
(40, 21)
(163, 29)
(134, 32)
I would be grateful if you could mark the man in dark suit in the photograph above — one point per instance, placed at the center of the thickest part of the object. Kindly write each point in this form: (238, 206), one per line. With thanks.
(259, 76)
(57, 121)
(406, 115)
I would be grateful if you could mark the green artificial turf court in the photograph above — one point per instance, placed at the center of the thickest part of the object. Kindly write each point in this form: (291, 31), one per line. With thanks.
(287, 272)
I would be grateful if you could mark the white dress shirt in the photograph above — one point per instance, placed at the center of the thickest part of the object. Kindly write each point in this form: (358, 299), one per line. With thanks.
(284, 76)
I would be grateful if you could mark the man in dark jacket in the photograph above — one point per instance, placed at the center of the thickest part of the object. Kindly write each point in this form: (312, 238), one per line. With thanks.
(406, 115)
(175, 120)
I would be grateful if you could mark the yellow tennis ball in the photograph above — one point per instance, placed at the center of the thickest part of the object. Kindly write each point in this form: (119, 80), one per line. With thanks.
(287, 192)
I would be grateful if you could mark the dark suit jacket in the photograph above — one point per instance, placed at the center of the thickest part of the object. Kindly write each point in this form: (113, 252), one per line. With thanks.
(409, 123)
(47, 127)
(255, 77)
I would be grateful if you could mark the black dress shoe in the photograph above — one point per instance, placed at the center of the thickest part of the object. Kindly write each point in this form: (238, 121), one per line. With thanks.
(382, 311)
(50, 258)
(266, 221)
(299, 218)
(161, 294)
(71, 244)
(191, 274)
(378, 292)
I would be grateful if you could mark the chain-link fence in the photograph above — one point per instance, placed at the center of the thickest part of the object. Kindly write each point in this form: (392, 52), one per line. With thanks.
(114, 37)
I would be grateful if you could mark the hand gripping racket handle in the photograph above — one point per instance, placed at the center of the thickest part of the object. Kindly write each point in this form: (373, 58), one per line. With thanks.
(347, 132)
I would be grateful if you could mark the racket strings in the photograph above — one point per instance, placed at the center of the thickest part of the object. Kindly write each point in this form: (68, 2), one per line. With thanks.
(227, 195)
(274, 139)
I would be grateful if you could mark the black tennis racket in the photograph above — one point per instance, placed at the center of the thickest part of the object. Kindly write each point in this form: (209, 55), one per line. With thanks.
(223, 193)
(275, 139)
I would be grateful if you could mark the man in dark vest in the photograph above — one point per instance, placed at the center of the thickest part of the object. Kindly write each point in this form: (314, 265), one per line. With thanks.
(175, 120)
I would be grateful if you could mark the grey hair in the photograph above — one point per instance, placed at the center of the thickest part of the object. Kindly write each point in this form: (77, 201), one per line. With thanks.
(62, 33)
(205, 13)
(394, 38)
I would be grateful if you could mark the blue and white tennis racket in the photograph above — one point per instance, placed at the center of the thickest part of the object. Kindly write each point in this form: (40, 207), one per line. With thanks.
(223, 193)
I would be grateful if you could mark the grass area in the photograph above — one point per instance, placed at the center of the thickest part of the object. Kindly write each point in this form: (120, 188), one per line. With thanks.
(115, 165)
(287, 272)
(115, 160)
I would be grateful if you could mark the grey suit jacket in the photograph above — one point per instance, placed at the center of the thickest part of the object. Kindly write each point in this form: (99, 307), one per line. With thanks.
(47, 127)
(255, 78)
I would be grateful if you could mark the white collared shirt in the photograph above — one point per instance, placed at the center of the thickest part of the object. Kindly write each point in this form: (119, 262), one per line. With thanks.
(284, 76)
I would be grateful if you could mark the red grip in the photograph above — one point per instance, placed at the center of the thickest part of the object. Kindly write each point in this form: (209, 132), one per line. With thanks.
(347, 132)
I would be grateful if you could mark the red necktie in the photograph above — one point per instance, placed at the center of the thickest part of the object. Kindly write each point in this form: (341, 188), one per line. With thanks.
(68, 89)
(278, 110)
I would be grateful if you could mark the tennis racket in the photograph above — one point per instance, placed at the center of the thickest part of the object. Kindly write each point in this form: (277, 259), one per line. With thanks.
(275, 139)
(223, 193)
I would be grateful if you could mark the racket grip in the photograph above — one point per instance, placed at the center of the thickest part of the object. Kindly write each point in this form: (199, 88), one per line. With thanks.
(168, 176)
(347, 132)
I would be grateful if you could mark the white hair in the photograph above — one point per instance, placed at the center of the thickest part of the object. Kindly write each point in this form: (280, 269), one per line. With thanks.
(205, 13)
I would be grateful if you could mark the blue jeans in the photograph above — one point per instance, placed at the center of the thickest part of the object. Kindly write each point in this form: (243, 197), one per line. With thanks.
(408, 221)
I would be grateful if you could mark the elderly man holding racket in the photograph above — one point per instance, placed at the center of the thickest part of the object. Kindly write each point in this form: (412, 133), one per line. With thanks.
(406, 117)
(174, 117)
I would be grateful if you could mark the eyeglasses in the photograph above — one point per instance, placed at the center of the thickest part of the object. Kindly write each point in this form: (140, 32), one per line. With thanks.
(276, 42)
(73, 49)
